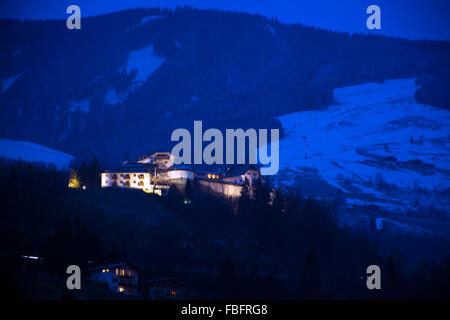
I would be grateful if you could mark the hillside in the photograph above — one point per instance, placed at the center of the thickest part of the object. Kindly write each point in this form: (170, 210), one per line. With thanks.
(120, 85)
(33, 152)
(376, 147)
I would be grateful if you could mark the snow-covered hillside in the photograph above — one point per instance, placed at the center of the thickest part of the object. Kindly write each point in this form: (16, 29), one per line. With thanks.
(144, 62)
(33, 152)
(377, 145)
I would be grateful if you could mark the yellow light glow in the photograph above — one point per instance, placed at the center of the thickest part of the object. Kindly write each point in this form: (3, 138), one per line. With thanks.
(121, 289)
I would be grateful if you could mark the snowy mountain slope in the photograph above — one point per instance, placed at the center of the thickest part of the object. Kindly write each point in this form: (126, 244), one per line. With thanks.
(33, 152)
(134, 74)
(144, 62)
(377, 145)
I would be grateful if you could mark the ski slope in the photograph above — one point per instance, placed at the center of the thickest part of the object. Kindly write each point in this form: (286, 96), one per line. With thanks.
(33, 152)
(376, 145)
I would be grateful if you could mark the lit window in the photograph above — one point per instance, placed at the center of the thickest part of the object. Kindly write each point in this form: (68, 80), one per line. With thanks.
(121, 289)
(173, 293)
(103, 270)
(107, 270)
(117, 271)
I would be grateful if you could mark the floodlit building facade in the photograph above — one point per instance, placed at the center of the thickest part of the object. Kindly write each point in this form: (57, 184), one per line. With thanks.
(155, 173)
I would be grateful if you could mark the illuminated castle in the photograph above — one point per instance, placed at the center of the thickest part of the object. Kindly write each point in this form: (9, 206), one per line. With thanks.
(155, 173)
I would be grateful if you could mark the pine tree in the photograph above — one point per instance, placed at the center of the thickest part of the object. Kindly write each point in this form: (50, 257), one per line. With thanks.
(83, 173)
(261, 196)
(310, 278)
(245, 198)
(225, 281)
(93, 172)
(188, 189)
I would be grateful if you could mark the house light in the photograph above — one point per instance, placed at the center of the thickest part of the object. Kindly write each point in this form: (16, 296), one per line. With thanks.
(121, 289)
(173, 293)
(31, 257)
(103, 270)
(84, 187)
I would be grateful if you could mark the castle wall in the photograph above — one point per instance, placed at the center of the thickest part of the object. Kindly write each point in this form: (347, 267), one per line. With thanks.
(180, 174)
(226, 189)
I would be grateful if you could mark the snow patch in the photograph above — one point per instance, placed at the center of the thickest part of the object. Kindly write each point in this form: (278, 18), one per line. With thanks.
(144, 61)
(33, 152)
(405, 228)
(378, 134)
(270, 28)
(112, 97)
(141, 23)
(150, 18)
(17, 52)
(8, 82)
(76, 106)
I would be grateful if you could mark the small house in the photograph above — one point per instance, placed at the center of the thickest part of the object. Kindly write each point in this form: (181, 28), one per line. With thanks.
(121, 277)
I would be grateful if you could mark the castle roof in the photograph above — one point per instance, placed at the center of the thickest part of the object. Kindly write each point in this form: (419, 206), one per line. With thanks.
(132, 167)
(239, 169)
(113, 266)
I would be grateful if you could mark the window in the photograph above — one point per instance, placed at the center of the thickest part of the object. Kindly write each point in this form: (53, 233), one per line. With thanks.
(114, 176)
(141, 177)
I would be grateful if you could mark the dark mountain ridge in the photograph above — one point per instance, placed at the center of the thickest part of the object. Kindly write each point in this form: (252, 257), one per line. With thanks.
(76, 91)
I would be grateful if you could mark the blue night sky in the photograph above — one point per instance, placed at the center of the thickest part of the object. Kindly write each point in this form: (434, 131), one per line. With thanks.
(413, 19)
